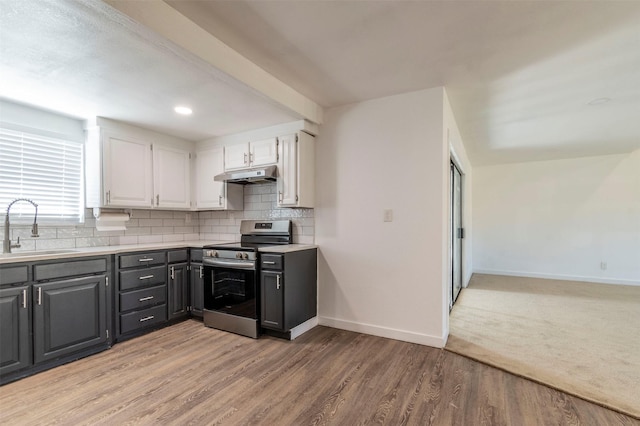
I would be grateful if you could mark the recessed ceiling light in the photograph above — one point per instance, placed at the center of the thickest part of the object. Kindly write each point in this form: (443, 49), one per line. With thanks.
(183, 110)
(598, 101)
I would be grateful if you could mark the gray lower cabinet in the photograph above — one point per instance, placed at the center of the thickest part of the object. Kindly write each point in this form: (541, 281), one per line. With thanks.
(196, 283)
(196, 289)
(52, 312)
(178, 283)
(272, 308)
(178, 288)
(141, 301)
(15, 331)
(68, 316)
(288, 285)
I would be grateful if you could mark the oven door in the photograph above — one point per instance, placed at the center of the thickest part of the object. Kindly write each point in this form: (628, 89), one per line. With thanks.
(230, 287)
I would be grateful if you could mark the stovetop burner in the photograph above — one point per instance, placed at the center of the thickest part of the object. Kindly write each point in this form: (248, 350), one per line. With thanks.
(258, 233)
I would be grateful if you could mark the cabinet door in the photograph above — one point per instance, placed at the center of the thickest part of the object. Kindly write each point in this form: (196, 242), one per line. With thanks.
(178, 291)
(68, 316)
(288, 171)
(171, 177)
(272, 303)
(209, 193)
(15, 339)
(128, 181)
(196, 286)
(236, 156)
(263, 152)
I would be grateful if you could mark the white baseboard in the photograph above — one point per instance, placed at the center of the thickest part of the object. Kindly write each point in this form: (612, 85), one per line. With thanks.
(390, 333)
(303, 328)
(557, 277)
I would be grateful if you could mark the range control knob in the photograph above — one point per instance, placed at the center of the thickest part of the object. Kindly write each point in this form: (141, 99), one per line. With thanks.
(238, 255)
(212, 253)
(245, 256)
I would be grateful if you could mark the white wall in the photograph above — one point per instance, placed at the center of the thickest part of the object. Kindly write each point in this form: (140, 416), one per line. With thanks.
(384, 278)
(27, 118)
(559, 219)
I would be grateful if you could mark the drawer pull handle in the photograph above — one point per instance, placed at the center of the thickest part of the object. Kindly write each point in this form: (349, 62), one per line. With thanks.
(277, 282)
(145, 277)
(268, 262)
(146, 259)
(150, 317)
(142, 299)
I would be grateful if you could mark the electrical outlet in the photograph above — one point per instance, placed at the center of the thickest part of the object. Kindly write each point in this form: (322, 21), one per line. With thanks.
(388, 215)
(603, 266)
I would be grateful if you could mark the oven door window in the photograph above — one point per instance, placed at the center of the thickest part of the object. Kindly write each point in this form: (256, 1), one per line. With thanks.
(232, 291)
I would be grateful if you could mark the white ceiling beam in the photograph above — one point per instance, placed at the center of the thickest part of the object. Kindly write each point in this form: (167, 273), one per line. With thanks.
(171, 24)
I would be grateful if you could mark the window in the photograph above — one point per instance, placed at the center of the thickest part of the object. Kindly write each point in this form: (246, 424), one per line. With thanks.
(44, 169)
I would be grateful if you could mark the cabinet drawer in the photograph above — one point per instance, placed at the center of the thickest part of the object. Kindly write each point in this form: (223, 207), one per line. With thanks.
(14, 274)
(177, 256)
(142, 319)
(51, 271)
(144, 277)
(196, 255)
(142, 259)
(143, 298)
(271, 261)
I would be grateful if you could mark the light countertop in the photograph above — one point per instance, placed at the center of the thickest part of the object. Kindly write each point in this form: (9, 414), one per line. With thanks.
(286, 248)
(33, 256)
(100, 251)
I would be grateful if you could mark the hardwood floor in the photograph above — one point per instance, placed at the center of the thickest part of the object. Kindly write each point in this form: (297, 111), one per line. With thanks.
(188, 374)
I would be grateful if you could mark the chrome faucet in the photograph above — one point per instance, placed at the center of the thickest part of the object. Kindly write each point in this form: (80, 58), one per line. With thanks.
(6, 243)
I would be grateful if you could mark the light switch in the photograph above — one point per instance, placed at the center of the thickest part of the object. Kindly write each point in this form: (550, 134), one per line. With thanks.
(388, 215)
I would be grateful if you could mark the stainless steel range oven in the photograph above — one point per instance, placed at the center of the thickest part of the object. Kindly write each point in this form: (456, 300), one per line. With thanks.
(231, 278)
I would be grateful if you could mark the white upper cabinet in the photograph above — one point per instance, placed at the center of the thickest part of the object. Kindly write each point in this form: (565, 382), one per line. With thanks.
(127, 172)
(210, 194)
(296, 170)
(253, 154)
(171, 177)
(236, 157)
(125, 167)
(263, 152)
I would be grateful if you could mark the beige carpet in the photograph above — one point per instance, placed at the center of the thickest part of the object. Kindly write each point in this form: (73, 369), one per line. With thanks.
(581, 338)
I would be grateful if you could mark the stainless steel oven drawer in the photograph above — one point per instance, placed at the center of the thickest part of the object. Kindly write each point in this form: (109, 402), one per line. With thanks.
(144, 277)
(139, 299)
(142, 259)
(141, 319)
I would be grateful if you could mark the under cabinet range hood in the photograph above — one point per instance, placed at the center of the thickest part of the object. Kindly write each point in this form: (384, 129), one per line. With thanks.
(246, 176)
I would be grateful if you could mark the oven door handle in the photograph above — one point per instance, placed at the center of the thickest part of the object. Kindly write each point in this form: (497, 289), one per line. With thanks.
(230, 264)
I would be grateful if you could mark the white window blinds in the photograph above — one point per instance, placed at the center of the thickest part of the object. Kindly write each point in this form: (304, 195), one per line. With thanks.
(45, 170)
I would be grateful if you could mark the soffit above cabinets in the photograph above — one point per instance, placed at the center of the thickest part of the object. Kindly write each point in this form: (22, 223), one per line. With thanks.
(87, 59)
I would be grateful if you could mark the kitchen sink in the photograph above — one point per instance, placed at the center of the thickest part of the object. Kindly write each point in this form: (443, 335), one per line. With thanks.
(36, 253)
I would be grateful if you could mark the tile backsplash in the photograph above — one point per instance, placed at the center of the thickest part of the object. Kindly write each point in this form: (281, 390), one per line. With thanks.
(156, 226)
(259, 203)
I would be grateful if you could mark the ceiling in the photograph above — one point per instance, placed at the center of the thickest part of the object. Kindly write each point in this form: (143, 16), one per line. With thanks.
(519, 75)
(85, 59)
